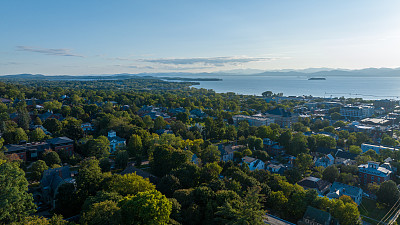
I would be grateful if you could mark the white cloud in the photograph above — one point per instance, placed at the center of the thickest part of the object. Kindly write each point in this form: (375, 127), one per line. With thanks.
(49, 51)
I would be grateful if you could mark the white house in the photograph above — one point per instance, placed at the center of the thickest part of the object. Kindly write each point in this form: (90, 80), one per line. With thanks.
(325, 161)
(115, 141)
(253, 163)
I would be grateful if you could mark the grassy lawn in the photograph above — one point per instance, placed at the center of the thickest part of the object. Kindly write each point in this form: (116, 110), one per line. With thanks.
(369, 208)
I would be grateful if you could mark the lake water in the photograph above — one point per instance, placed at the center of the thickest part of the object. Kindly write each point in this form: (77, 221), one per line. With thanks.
(363, 87)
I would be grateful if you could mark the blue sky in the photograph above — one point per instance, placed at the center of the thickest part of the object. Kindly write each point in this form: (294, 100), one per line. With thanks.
(103, 37)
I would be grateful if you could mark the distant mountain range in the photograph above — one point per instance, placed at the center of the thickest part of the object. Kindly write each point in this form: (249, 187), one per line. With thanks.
(311, 72)
(324, 72)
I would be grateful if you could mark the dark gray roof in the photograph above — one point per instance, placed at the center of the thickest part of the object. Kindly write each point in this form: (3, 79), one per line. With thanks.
(314, 183)
(317, 215)
(326, 151)
(41, 146)
(60, 140)
(118, 139)
(53, 177)
(345, 155)
(131, 169)
(348, 190)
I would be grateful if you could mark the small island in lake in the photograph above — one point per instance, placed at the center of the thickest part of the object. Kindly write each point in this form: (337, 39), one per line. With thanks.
(317, 78)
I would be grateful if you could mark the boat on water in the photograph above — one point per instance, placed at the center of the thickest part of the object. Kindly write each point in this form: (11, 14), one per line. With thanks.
(317, 78)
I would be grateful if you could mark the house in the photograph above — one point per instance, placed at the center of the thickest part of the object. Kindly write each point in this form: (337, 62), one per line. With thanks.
(276, 150)
(62, 143)
(197, 113)
(51, 180)
(227, 152)
(132, 169)
(115, 141)
(276, 168)
(50, 115)
(154, 114)
(321, 186)
(273, 147)
(253, 163)
(175, 111)
(324, 161)
(86, 127)
(373, 172)
(345, 157)
(314, 216)
(338, 189)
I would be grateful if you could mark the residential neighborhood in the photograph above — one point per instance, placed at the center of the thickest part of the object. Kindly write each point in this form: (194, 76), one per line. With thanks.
(326, 152)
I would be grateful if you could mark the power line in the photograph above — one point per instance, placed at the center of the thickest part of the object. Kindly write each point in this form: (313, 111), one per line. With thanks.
(389, 213)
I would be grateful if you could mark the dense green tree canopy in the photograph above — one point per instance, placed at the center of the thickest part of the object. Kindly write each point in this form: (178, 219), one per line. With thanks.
(15, 202)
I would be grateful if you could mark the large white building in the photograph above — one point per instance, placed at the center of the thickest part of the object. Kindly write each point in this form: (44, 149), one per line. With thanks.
(359, 112)
(377, 148)
(253, 120)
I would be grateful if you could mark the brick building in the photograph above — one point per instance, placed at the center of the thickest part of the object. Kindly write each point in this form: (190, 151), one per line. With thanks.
(62, 143)
(374, 173)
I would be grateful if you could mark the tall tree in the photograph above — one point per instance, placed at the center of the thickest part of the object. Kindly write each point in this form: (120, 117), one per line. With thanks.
(210, 154)
(99, 147)
(303, 162)
(159, 123)
(148, 122)
(150, 207)
(102, 213)
(51, 158)
(121, 159)
(23, 119)
(388, 192)
(15, 201)
(129, 184)
(285, 138)
(68, 202)
(135, 145)
(38, 168)
(298, 144)
(246, 211)
(331, 173)
(37, 135)
(53, 125)
(89, 177)
(166, 158)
